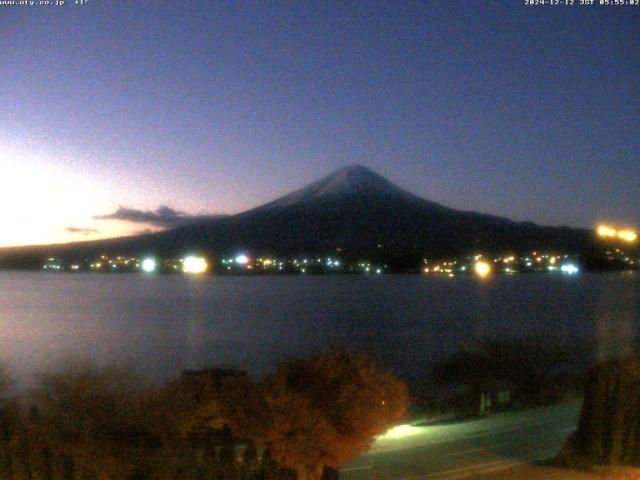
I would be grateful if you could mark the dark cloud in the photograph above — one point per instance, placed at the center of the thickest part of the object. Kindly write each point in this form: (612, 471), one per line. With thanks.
(83, 231)
(163, 216)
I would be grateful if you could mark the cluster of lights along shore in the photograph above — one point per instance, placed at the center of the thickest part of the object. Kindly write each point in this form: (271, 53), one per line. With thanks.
(485, 265)
(198, 264)
(479, 264)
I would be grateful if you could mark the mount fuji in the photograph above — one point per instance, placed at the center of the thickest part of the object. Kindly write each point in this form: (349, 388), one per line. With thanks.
(352, 210)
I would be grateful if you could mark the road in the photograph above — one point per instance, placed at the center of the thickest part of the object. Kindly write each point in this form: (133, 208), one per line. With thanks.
(466, 449)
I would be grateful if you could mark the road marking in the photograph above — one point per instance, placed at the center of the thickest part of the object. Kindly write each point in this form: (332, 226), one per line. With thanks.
(462, 470)
(486, 448)
(353, 469)
(464, 452)
(482, 468)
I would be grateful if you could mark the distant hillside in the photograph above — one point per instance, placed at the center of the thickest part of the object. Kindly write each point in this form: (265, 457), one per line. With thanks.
(354, 210)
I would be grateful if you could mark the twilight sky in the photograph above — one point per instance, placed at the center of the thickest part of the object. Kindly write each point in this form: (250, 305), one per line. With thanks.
(156, 111)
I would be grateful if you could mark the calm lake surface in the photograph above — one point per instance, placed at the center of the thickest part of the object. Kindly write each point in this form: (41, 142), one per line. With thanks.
(163, 324)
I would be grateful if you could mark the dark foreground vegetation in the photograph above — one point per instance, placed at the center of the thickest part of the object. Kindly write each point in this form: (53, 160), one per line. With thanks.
(499, 374)
(302, 422)
(98, 423)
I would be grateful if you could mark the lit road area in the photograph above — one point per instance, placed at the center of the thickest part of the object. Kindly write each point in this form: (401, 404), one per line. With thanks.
(461, 449)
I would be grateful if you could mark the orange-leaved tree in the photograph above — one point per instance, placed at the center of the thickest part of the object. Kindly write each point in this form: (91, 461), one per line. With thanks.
(317, 411)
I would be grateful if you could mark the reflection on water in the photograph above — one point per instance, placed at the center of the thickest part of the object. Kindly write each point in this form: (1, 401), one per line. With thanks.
(167, 323)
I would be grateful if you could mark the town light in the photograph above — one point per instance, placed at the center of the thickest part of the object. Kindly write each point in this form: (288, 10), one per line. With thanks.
(192, 264)
(606, 231)
(149, 265)
(482, 268)
(627, 235)
(242, 259)
(569, 269)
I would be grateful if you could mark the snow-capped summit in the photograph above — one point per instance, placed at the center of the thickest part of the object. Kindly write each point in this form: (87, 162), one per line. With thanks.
(349, 181)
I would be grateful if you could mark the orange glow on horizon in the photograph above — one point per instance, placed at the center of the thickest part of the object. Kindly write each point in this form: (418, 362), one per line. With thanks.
(43, 203)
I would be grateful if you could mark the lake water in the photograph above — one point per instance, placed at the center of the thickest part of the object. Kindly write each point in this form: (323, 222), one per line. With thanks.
(164, 324)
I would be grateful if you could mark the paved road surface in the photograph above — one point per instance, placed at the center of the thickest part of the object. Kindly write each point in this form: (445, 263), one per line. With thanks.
(466, 449)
